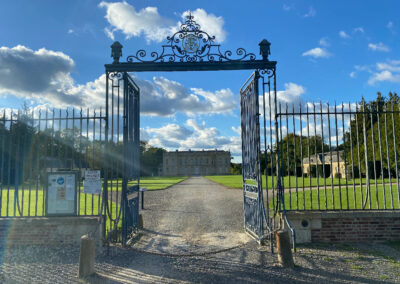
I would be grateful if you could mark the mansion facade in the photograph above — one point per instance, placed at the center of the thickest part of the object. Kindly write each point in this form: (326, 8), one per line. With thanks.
(196, 163)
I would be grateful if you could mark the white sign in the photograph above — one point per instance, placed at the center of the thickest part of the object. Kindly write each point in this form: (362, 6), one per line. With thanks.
(61, 194)
(92, 182)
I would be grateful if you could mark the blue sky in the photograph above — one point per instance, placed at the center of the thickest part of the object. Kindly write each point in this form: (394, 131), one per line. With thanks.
(53, 53)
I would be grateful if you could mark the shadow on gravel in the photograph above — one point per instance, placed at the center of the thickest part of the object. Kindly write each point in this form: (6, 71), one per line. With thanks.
(146, 268)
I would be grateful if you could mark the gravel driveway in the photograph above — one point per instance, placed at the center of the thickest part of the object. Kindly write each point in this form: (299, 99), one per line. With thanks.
(193, 217)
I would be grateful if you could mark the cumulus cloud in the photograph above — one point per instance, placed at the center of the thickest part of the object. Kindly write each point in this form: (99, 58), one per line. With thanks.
(318, 52)
(343, 34)
(193, 135)
(165, 97)
(384, 75)
(378, 47)
(149, 23)
(31, 74)
(45, 76)
(291, 96)
(385, 72)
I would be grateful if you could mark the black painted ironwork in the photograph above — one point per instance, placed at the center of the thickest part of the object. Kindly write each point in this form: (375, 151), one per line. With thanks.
(191, 44)
(192, 49)
(251, 169)
(131, 171)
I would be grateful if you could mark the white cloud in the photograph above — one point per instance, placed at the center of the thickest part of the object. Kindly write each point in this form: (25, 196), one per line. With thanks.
(38, 74)
(352, 74)
(194, 135)
(384, 76)
(311, 12)
(70, 31)
(386, 71)
(318, 52)
(210, 23)
(343, 34)
(163, 97)
(378, 47)
(324, 42)
(149, 23)
(237, 130)
(389, 25)
(391, 65)
(291, 96)
(45, 76)
(359, 30)
(288, 7)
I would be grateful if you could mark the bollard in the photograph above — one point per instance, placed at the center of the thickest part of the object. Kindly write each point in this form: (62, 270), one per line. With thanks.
(285, 256)
(86, 256)
(140, 221)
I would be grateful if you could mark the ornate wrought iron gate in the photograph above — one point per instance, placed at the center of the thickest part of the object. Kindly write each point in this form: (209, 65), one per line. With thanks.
(130, 181)
(192, 49)
(251, 170)
(122, 170)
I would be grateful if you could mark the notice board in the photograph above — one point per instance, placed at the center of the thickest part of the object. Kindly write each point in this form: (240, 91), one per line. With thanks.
(61, 193)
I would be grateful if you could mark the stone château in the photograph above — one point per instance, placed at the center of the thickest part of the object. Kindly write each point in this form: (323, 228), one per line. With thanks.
(196, 163)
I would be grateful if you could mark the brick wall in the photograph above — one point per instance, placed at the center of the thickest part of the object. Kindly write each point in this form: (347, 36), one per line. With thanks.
(350, 226)
(357, 229)
(47, 230)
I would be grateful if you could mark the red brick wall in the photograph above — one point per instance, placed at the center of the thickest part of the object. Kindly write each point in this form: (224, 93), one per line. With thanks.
(352, 229)
(47, 231)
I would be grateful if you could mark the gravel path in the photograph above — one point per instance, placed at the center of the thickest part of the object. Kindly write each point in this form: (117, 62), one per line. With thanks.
(194, 217)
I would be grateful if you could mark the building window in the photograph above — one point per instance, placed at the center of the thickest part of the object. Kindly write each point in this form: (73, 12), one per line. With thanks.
(166, 161)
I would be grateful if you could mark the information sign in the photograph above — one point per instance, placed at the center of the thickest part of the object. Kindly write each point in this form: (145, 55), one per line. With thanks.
(92, 182)
(61, 193)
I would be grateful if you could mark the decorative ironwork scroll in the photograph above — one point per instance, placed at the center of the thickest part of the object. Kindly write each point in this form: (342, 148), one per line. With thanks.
(191, 44)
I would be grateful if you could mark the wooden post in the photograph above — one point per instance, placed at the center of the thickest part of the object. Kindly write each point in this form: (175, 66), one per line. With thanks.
(285, 256)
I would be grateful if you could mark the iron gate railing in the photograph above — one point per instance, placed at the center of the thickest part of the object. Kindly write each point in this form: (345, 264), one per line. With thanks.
(36, 142)
(340, 157)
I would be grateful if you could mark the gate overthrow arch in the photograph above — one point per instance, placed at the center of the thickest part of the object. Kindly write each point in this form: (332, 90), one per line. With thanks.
(192, 49)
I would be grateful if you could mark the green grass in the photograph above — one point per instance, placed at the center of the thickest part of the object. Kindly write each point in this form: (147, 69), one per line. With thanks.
(31, 202)
(156, 183)
(235, 181)
(151, 183)
(343, 198)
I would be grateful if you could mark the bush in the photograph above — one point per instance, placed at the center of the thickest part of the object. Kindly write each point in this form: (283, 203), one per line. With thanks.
(338, 175)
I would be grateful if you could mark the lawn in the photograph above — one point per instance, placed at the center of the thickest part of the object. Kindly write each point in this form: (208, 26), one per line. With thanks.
(31, 202)
(151, 183)
(235, 181)
(345, 198)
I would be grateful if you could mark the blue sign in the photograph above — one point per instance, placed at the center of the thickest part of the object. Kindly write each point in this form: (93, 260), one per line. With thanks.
(60, 180)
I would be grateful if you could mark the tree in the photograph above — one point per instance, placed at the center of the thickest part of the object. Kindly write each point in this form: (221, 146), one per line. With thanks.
(376, 122)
